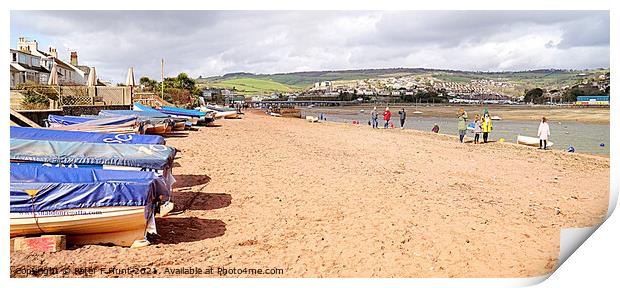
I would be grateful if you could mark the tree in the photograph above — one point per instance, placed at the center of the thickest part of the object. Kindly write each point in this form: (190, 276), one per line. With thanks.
(535, 96)
(149, 85)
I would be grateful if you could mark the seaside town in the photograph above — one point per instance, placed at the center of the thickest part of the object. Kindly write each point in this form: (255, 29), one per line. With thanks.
(390, 172)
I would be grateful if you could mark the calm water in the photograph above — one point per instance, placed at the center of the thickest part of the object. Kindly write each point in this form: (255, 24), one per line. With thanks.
(586, 138)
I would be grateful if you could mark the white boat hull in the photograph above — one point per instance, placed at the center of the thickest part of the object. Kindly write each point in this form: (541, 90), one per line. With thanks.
(531, 141)
(116, 225)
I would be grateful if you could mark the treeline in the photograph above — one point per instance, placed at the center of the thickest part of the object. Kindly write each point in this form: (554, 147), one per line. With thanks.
(180, 90)
(537, 95)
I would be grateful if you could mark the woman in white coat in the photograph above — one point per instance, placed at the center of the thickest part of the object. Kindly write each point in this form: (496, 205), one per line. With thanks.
(543, 133)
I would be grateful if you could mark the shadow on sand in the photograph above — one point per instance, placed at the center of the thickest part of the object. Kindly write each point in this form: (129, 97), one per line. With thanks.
(199, 201)
(183, 181)
(174, 230)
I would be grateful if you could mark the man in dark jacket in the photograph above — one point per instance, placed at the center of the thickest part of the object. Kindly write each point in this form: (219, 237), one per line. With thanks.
(403, 115)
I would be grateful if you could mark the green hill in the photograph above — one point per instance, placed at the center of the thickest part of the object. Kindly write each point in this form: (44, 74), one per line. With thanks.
(246, 85)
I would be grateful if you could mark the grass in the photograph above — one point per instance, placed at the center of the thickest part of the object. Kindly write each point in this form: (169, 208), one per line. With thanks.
(254, 86)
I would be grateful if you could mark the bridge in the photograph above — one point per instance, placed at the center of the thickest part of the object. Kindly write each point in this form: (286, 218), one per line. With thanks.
(301, 103)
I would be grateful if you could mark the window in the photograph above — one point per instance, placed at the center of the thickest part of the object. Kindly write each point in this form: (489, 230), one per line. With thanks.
(23, 59)
(14, 57)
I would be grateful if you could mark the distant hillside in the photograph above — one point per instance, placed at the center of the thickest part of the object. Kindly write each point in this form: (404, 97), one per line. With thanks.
(296, 81)
(247, 85)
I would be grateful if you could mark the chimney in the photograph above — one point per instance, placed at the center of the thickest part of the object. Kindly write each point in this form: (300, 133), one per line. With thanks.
(53, 52)
(23, 44)
(74, 61)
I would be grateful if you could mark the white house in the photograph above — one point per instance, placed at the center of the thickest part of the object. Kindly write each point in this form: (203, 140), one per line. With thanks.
(26, 68)
(68, 73)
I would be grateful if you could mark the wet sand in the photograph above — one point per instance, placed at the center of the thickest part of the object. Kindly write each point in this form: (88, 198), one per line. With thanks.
(338, 200)
(508, 112)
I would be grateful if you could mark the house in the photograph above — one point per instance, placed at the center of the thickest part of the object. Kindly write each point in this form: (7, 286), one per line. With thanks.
(68, 73)
(26, 68)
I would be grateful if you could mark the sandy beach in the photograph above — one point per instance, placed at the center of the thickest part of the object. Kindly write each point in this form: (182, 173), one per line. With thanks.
(341, 200)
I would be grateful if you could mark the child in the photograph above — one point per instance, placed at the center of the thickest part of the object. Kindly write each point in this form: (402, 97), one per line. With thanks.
(543, 133)
(477, 129)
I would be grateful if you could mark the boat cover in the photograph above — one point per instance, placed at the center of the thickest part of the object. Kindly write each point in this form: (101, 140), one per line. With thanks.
(89, 137)
(73, 120)
(64, 188)
(148, 116)
(181, 111)
(139, 107)
(150, 156)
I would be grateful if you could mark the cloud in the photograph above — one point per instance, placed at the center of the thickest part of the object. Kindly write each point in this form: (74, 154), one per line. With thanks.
(217, 42)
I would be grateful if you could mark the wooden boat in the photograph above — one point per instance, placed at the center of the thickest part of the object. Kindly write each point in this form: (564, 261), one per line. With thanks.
(531, 141)
(121, 225)
(178, 126)
(157, 129)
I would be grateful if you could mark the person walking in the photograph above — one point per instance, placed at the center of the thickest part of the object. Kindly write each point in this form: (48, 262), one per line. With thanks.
(477, 129)
(487, 127)
(374, 117)
(462, 124)
(543, 133)
(403, 116)
(387, 115)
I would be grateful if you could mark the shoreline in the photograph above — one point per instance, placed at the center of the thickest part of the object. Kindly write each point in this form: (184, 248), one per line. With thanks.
(588, 115)
(469, 139)
(314, 200)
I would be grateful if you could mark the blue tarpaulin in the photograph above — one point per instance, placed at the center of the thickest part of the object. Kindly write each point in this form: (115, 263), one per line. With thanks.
(67, 120)
(183, 112)
(73, 120)
(64, 188)
(139, 107)
(148, 116)
(151, 156)
(139, 114)
(76, 136)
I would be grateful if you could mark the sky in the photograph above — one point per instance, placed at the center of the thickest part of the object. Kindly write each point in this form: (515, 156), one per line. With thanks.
(210, 43)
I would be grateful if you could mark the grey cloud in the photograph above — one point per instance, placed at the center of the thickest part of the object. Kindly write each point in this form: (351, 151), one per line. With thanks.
(217, 42)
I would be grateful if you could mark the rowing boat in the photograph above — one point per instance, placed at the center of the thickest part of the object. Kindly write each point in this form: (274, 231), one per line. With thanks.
(531, 141)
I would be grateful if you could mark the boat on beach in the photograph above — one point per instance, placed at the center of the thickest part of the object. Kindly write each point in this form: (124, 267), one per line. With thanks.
(154, 122)
(531, 141)
(28, 133)
(112, 124)
(89, 206)
(221, 112)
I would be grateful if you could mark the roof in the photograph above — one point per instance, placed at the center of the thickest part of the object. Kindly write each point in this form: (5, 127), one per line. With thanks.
(84, 68)
(24, 68)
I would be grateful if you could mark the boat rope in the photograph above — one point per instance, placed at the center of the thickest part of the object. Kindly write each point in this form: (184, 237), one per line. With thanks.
(34, 215)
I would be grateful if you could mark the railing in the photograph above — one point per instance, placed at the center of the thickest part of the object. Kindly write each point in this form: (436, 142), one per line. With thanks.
(150, 99)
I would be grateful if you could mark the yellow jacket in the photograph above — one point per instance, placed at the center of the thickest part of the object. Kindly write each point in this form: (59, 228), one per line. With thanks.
(487, 126)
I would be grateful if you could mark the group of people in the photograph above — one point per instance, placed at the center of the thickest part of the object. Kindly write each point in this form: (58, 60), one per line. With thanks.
(482, 125)
(387, 116)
